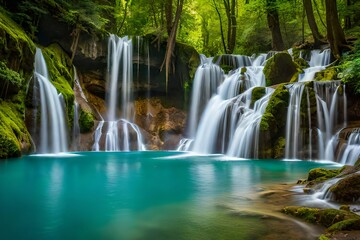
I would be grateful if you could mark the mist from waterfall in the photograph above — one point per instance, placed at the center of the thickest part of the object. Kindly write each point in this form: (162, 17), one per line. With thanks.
(53, 127)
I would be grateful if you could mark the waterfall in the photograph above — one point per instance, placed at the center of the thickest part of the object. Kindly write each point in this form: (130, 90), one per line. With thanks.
(76, 128)
(53, 130)
(318, 61)
(293, 122)
(352, 150)
(120, 130)
(331, 115)
(207, 78)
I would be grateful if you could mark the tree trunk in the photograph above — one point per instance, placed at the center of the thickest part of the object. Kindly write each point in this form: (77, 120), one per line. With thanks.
(312, 23)
(335, 33)
(221, 27)
(169, 16)
(274, 26)
(171, 41)
(347, 18)
(232, 40)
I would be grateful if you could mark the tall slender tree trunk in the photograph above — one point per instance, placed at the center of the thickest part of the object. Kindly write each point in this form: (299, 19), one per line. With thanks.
(169, 16)
(312, 23)
(171, 41)
(232, 40)
(335, 33)
(221, 27)
(274, 26)
(347, 18)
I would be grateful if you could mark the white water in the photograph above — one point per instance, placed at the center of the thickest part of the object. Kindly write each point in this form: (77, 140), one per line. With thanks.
(119, 120)
(318, 61)
(207, 78)
(53, 137)
(229, 124)
(351, 152)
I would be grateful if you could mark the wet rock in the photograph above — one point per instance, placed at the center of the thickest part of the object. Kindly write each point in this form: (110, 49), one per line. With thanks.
(347, 189)
(279, 69)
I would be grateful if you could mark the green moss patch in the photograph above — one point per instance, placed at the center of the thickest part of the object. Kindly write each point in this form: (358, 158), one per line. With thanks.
(330, 218)
(86, 121)
(322, 174)
(257, 93)
(14, 136)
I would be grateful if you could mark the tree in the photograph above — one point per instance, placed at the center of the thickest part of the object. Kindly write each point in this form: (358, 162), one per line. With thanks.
(172, 40)
(318, 38)
(335, 34)
(230, 7)
(274, 25)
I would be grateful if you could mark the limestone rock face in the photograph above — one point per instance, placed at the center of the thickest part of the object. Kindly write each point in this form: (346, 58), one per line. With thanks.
(279, 69)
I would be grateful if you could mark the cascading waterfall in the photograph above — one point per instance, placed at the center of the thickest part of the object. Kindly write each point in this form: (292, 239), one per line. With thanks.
(318, 61)
(351, 152)
(331, 115)
(293, 121)
(53, 130)
(229, 119)
(120, 129)
(208, 77)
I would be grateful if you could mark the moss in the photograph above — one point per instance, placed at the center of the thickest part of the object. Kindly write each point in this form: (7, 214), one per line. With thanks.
(346, 225)
(276, 107)
(279, 69)
(14, 136)
(15, 42)
(327, 74)
(323, 237)
(325, 217)
(279, 147)
(322, 174)
(347, 189)
(257, 93)
(86, 121)
(12, 81)
(302, 63)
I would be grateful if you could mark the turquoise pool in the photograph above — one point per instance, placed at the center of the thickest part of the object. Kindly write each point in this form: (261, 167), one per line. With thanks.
(136, 195)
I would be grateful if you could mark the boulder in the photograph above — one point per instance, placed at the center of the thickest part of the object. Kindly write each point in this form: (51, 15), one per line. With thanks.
(279, 69)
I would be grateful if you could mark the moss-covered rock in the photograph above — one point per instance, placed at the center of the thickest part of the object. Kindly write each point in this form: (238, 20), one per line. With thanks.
(86, 121)
(15, 46)
(273, 123)
(11, 80)
(14, 137)
(257, 93)
(279, 69)
(347, 189)
(325, 217)
(322, 174)
(302, 63)
(329, 73)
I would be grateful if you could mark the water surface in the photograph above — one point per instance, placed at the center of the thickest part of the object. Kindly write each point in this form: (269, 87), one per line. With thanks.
(137, 195)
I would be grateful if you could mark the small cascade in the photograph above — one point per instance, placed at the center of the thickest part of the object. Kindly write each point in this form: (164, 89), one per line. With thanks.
(75, 129)
(351, 152)
(121, 132)
(53, 137)
(294, 134)
(324, 193)
(208, 77)
(97, 136)
(331, 115)
(318, 61)
(304, 135)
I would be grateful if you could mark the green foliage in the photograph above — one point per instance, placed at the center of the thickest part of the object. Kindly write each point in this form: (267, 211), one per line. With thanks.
(349, 69)
(86, 121)
(11, 81)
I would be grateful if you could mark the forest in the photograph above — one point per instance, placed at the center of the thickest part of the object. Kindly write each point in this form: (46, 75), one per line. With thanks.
(211, 26)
